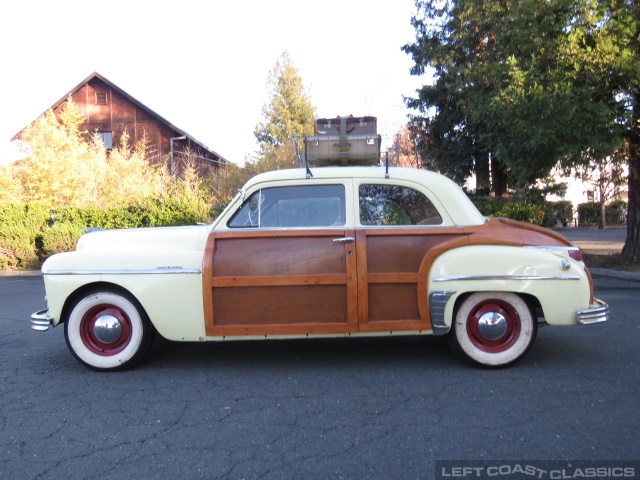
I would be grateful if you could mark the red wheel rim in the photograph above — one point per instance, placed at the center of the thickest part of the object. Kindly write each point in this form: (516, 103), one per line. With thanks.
(510, 335)
(88, 336)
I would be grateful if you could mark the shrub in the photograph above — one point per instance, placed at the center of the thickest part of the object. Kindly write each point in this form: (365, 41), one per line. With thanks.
(509, 208)
(588, 214)
(29, 233)
(555, 212)
(20, 225)
(616, 212)
(18, 247)
(62, 237)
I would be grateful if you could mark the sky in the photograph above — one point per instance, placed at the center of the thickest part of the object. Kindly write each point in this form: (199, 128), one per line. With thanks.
(203, 64)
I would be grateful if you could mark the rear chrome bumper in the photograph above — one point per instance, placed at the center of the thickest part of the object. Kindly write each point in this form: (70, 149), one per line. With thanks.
(596, 313)
(40, 321)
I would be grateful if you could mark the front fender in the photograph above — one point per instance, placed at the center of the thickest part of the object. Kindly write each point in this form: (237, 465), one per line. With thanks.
(168, 285)
(559, 283)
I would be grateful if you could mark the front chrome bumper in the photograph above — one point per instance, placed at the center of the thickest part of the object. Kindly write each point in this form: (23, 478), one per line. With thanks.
(594, 314)
(41, 320)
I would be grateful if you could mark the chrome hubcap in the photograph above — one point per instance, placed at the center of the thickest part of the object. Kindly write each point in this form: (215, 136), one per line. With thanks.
(492, 325)
(107, 329)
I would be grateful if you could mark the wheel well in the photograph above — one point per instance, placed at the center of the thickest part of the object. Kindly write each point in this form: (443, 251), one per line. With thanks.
(532, 302)
(85, 290)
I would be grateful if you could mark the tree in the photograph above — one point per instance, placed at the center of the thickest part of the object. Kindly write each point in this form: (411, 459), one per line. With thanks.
(628, 29)
(404, 152)
(454, 39)
(532, 83)
(63, 167)
(289, 113)
(67, 166)
(129, 174)
(523, 83)
(606, 175)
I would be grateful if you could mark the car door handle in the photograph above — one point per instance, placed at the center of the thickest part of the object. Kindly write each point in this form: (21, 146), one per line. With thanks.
(344, 240)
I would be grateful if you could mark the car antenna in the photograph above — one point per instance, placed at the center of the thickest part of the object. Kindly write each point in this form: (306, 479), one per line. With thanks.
(386, 172)
(297, 147)
(306, 162)
(298, 156)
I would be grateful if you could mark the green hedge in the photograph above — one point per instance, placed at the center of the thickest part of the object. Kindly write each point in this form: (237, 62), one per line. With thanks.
(20, 224)
(509, 208)
(615, 213)
(31, 232)
(555, 212)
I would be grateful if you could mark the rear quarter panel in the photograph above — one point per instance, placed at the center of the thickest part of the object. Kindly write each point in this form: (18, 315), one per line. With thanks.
(561, 292)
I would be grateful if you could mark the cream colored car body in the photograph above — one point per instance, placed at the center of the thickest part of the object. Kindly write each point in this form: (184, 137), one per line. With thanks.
(162, 267)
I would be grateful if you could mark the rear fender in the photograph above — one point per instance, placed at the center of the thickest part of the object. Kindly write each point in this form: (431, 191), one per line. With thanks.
(560, 286)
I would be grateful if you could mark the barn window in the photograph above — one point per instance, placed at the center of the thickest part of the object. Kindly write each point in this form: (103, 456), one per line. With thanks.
(101, 98)
(105, 138)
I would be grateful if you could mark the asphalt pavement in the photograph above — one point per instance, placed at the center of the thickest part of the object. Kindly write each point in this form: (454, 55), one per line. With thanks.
(368, 408)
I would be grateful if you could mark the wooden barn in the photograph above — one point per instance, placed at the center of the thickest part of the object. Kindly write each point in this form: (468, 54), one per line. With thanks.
(109, 111)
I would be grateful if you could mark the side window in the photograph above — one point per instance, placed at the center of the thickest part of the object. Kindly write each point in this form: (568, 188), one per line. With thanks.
(300, 206)
(395, 205)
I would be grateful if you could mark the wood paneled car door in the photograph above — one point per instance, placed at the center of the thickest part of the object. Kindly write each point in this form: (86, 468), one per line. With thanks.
(286, 265)
(399, 227)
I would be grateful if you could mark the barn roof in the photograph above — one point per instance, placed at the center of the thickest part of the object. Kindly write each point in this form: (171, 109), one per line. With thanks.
(138, 104)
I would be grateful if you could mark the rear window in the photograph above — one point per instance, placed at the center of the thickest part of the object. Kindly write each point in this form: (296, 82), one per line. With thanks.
(395, 205)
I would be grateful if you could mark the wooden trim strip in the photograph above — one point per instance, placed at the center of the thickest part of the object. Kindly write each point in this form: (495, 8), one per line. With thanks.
(351, 276)
(276, 233)
(207, 284)
(393, 278)
(363, 286)
(279, 280)
(413, 230)
(395, 325)
(327, 328)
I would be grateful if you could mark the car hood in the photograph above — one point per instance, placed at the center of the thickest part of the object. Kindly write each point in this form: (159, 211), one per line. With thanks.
(143, 239)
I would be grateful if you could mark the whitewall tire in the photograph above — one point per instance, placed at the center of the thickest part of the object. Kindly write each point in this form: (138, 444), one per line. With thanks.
(108, 330)
(493, 329)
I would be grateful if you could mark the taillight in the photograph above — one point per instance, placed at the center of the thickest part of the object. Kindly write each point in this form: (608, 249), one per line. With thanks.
(576, 254)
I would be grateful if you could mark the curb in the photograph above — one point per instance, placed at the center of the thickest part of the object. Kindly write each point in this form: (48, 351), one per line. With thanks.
(603, 272)
(20, 273)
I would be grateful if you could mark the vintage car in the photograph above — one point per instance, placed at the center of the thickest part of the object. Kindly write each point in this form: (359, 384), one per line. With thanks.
(328, 252)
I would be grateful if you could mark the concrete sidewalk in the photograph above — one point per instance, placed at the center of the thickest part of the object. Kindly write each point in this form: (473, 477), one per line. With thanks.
(594, 241)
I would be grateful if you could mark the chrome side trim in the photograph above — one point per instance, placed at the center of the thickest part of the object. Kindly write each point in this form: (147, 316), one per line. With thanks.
(554, 247)
(505, 277)
(149, 271)
(40, 321)
(437, 303)
(592, 315)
